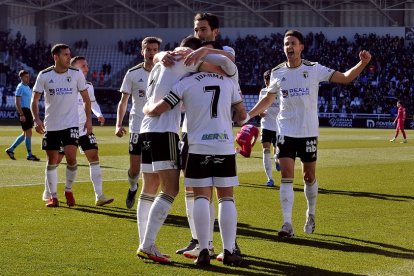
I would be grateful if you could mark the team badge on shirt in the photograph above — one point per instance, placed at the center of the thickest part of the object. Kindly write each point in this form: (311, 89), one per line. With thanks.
(68, 78)
(285, 93)
(305, 74)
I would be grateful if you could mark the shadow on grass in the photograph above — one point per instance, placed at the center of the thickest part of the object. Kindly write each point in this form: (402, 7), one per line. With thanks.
(343, 246)
(245, 230)
(337, 192)
(257, 266)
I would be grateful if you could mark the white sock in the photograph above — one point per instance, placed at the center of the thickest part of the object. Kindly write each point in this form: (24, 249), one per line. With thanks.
(286, 199)
(212, 220)
(157, 215)
(267, 163)
(228, 222)
(70, 176)
(133, 182)
(311, 193)
(96, 178)
(202, 221)
(189, 207)
(143, 208)
(46, 185)
(51, 178)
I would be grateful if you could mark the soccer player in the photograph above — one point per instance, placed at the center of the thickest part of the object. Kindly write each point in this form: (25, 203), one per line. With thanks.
(211, 159)
(268, 125)
(206, 28)
(159, 140)
(246, 138)
(61, 85)
(399, 121)
(87, 143)
(22, 100)
(296, 83)
(134, 84)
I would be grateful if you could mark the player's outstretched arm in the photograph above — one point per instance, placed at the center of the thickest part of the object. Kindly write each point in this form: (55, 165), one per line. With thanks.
(260, 107)
(351, 74)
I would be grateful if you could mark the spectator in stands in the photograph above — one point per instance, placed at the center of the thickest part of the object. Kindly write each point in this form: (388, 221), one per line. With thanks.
(22, 100)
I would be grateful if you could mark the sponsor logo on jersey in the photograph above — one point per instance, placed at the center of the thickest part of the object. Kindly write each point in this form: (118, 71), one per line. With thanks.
(215, 136)
(283, 79)
(299, 91)
(60, 91)
(141, 80)
(51, 81)
(305, 74)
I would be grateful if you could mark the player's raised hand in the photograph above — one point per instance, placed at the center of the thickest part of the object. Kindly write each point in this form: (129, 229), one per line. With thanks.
(120, 131)
(365, 56)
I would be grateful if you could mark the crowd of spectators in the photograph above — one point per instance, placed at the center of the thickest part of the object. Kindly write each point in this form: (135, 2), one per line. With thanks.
(389, 77)
(81, 44)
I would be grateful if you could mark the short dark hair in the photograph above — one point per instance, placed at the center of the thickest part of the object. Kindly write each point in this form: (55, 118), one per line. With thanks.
(57, 47)
(399, 102)
(212, 19)
(22, 73)
(191, 42)
(296, 34)
(149, 40)
(214, 43)
(75, 59)
(266, 75)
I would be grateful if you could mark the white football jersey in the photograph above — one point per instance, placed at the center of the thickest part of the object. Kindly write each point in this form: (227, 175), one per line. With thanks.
(81, 109)
(269, 121)
(135, 83)
(297, 89)
(208, 98)
(61, 97)
(160, 83)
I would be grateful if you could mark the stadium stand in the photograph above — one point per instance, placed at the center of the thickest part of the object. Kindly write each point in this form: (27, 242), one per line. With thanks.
(389, 77)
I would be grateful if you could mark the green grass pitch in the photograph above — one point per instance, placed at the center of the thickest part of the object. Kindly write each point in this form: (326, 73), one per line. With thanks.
(365, 215)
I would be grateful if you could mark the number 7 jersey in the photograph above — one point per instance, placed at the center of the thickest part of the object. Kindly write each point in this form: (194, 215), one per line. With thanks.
(208, 98)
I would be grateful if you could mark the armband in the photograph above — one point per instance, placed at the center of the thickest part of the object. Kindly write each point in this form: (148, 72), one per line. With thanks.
(171, 99)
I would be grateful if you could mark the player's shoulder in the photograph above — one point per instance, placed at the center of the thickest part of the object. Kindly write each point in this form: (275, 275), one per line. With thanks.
(280, 66)
(73, 68)
(136, 67)
(47, 70)
(89, 83)
(308, 63)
